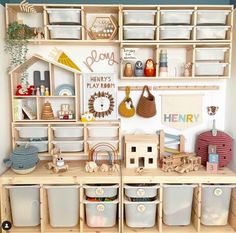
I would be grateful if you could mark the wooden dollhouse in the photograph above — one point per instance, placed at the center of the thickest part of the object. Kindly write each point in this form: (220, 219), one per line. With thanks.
(141, 151)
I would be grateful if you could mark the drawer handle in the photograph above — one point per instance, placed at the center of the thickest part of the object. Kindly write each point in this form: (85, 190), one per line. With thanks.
(140, 192)
(99, 191)
(218, 192)
(141, 208)
(100, 208)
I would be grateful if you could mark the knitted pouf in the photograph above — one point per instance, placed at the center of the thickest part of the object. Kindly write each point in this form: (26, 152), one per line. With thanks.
(223, 143)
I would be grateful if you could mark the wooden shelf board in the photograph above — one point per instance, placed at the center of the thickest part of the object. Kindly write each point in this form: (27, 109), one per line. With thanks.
(40, 97)
(101, 230)
(178, 229)
(224, 175)
(217, 229)
(75, 175)
(50, 229)
(25, 229)
(128, 229)
(174, 78)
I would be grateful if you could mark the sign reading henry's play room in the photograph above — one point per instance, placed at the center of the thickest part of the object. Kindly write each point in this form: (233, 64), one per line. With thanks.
(181, 111)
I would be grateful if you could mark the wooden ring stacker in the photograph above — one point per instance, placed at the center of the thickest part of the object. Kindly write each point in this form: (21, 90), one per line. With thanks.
(100, 147)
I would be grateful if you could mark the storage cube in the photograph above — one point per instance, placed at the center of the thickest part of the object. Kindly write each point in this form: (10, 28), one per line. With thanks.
(25, 205)
(139, 17)
(139, 33)
(41, 145)
(210, 69)
(68, 132)
(69, 146)
(210, 54)
(63, 203)
(175, 32)
(177, 204)
(101, 190)
(32, 132)
(176, 17)
(209, 17)
(140, 214)
(103, 131)
(144, 191)
(64, 15)
(65, 32)
(101, 214)
(215, 204)
(212, 32)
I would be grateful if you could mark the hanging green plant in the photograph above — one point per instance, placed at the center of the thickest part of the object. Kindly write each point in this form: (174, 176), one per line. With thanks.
(17, 46)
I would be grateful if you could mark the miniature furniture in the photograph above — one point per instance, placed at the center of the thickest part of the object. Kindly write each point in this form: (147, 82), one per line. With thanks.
(141, 151)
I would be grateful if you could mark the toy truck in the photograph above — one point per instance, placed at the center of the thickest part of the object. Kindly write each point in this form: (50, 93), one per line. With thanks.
(182, 162)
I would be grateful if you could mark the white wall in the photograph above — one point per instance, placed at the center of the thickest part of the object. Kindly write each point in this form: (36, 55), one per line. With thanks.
(230, 100)
(4, 97)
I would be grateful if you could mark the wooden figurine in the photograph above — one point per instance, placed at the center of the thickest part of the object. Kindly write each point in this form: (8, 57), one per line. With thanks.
(104, 168)
(91, 166)
(138, 69)
(150, 69)
(182, 162)
(128, 71)
(141, 151)
(57, 164)
(47, 113)
(188, 69)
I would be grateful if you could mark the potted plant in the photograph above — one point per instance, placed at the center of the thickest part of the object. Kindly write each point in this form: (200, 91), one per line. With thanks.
(17, 47)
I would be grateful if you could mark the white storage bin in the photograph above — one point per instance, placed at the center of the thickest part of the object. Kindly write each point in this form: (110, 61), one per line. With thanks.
(63, 203)
(140, 214)
(69, 146)
(210, 69)
(101, 190)
(210, 54)
(176, 17)
(64, 15)
(212, 17)
(215, 204)
(177, 204)
(139, 33)
(141, 190)
(68, 132)
(92, 143)
(212, 32)
(103, 131)
(32, 132)
(65, 32)
(139, 17)
(175, 32)
(41, 145)
(101, 214)
(25, 205)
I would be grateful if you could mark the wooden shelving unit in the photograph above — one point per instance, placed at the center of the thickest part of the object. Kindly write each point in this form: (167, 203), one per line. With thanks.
(76, 174)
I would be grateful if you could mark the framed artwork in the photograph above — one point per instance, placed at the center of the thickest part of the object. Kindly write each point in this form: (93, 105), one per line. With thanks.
(100, 95)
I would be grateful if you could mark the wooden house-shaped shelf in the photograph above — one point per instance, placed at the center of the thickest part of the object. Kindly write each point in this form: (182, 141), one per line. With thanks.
(141, 151)
(62, 81)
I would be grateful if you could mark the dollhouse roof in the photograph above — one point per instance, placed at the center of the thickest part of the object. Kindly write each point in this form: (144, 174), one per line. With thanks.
(36, 58)
(141, 138)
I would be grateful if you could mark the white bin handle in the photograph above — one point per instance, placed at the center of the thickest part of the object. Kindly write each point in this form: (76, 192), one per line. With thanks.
(218, 192)
(100, 208)
(140, 192)
(141, 208)
(99, 191)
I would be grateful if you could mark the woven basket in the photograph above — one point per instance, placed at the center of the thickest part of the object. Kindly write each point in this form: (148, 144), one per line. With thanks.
(146, 106)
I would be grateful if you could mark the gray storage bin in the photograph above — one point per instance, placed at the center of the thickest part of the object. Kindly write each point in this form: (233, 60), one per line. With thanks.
(101, 190)
(101, 214)
(215, 204)
(144, 191)
(177, 204)
(63, 203)
(140, 214)
(25, 205)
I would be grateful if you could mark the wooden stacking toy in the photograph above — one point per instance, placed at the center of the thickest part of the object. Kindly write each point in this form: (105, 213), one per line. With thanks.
(47, 113)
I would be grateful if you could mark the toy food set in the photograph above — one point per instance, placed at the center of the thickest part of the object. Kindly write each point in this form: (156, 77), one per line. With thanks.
(110, 126)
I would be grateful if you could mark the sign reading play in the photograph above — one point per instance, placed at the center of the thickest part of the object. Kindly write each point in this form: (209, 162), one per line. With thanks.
(181, 111)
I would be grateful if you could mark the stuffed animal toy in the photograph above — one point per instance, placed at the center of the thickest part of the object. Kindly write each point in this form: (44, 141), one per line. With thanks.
(138, 69)
(150, 69)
